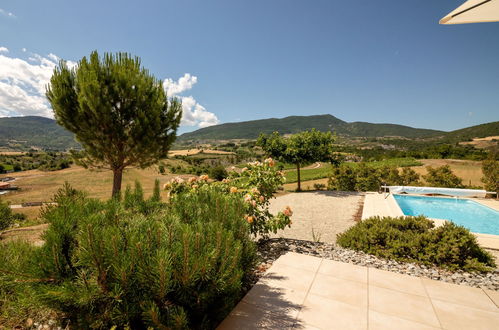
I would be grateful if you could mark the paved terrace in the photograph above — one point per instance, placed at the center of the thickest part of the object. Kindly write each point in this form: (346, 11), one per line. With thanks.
(305, 292)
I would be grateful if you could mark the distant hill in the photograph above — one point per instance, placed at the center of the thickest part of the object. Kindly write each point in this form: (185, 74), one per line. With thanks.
(468, 133)
(23, 133)
(294, 124)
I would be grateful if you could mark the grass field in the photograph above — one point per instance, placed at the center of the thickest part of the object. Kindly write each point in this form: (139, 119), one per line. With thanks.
(39, 186)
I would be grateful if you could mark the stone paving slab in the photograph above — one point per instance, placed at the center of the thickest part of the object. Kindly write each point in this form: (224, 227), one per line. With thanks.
(306, 292)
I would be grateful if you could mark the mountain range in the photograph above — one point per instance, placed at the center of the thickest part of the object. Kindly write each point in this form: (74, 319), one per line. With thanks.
(22, 133)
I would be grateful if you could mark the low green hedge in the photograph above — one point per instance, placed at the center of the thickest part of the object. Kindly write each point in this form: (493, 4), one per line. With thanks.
(414, 239)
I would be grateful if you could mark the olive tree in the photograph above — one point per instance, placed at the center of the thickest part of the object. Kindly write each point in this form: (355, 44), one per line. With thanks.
(118, 111)
(300, 148)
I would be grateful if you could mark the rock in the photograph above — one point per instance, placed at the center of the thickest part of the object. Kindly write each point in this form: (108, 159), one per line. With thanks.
(272, 249)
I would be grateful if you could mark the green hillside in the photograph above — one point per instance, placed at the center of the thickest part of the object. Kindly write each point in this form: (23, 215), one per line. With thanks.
(23, 133)
(294, 124)
(468, 133)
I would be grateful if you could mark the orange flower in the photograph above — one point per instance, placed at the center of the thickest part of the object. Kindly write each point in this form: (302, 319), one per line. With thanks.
(270, 161)
(249, 218)
(287, 211)
(193, 179)
(233, 190)
(203, 178)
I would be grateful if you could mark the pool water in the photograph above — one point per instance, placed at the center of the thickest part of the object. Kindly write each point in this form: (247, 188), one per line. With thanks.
(476, 217)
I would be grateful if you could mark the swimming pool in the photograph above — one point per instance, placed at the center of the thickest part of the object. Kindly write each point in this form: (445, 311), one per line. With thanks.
(476, 217)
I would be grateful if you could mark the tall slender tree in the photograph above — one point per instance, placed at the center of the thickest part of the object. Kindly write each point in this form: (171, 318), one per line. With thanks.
(300, 148)
(118, 111)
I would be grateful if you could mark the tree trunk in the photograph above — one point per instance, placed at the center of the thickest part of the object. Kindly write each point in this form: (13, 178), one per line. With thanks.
(298, 173)
(117, 177)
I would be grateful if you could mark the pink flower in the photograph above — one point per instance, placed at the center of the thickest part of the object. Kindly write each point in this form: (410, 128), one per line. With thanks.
(192, 179)
(287, 211)
(262, 199)
(247, 198)
(253, 203)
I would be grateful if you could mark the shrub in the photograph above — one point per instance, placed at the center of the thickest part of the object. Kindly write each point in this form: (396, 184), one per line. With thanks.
(415, 239)
(409, 177)
(7, 217)
(217, 173)
(319, 186)
(442, 177)
(256, 184)
(490, 169)
(369, 178)
(106, 264)
(343, 178)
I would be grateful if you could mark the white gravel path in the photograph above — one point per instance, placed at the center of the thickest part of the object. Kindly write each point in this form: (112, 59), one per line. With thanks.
(318, 215)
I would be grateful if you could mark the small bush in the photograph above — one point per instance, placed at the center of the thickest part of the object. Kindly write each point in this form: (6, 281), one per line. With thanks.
(319, 186)
(7, 217)
(442, 177)
(135, 263)
(217, 173)
(490, 170)
(415, 239)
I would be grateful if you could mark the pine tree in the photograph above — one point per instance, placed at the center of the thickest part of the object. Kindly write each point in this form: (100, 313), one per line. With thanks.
(117, 110)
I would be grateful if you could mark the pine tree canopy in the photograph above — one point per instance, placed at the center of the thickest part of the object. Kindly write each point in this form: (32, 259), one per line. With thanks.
(117, 110)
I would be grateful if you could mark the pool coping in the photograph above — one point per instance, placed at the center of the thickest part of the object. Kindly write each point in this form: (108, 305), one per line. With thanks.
(387, 206)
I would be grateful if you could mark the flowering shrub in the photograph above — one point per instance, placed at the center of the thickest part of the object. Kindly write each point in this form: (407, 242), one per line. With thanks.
(256, 184)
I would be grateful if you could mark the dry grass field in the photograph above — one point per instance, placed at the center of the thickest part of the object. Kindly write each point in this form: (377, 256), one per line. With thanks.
(468, 170)
(483, 143)
(190, 152)
(39, 186)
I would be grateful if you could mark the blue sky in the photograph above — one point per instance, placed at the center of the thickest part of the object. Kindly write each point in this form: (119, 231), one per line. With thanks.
(375, 61)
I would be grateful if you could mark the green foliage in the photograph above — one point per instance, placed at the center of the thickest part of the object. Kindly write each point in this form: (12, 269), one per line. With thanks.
(117, 110)
(490, 169)
(409, 177)
(300, 148)
(369, 177)
(414, 239)
(7, 217)
(104, 264)
(255, 185)
(442, 177)
(217, 173)
(44, 161)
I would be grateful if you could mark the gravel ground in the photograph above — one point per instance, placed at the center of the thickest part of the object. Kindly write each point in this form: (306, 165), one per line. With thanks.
(270, 250)
(318, 215)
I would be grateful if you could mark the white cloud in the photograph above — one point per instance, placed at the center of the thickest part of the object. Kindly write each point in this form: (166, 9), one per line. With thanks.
(24, 50)
(193, 113)
(23, 83)
(7, 13)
